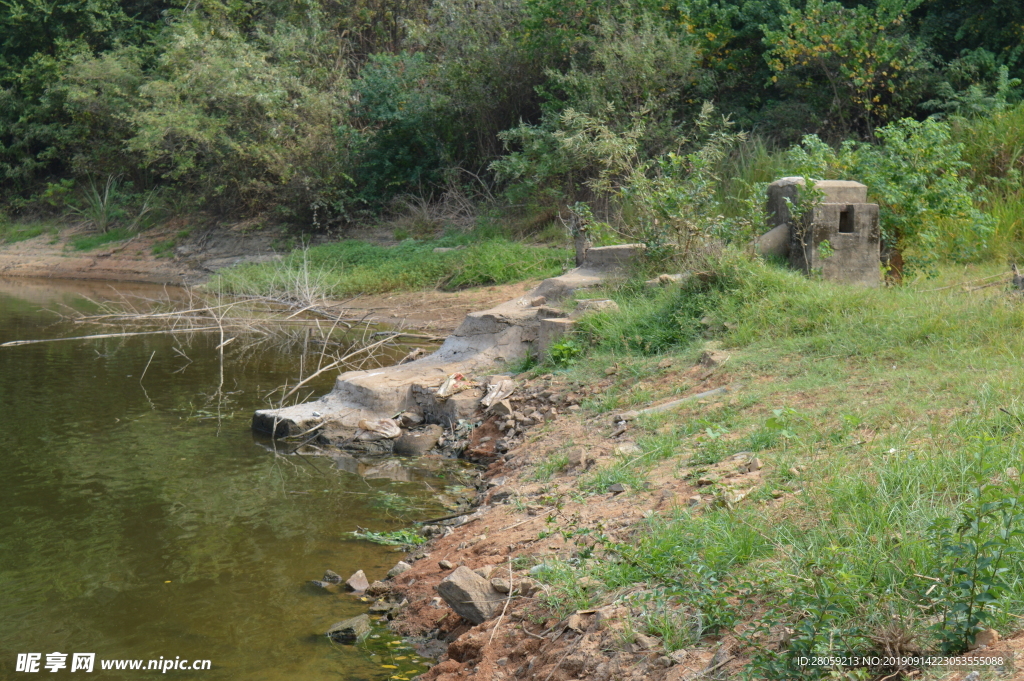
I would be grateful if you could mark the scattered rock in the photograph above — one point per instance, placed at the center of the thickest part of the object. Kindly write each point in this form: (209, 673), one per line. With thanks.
(420, 442)
(470, 595)
(399, 568)
(647, 642)
(357, 582)
(538, 301)
(713, 358)
(378, 589)
(501, 585)
(350, 630)
(621, 416)
(332, 577)
(985, 638)
(616, 488)
(446, 565)
(485, 571)
(410, 419)
(528, 587)
(589, 583)
(754, 465)
(694, 500)
(502, 408)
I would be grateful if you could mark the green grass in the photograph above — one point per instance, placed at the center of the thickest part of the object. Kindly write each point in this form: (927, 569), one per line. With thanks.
(18, 231)
(87, 242)
(351, 267)
(875, 412)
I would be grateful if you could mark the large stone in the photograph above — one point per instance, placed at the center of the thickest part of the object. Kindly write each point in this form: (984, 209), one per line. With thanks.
(350, 630)
(418, 443)
(357, 582)
(470, 595)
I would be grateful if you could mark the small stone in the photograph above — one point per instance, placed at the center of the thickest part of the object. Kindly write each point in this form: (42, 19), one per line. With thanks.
(446, 565)
(436, 602)
(399, 568)
(527, 586)
(627, 449)
(754, 465)
(357, 582)
(332, 577)
(485, 571)
(501, 585)
(706, 480)
(694, 500)
(630, 415)
(501, 661)
(574, 408)
(577, 623)
(616, 488)
(535, 417)
(647, 642)
(538, 301)
(350, 630)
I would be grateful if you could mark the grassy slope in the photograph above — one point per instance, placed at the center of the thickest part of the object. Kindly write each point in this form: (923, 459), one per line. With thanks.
(874, 412)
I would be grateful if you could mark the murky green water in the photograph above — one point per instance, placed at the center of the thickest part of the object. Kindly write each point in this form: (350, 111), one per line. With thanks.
(144, 520)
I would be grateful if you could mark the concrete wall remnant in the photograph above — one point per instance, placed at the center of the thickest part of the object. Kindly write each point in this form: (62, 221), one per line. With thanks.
(838, 237)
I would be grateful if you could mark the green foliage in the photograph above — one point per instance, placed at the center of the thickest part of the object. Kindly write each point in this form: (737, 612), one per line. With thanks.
(87, 242)
(861, 53)
(565, 351)
(392, 538)
(918, 177)
(974, 558)
(403, 124)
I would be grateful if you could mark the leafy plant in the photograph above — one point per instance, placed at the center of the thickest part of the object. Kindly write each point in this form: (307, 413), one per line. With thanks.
(392, 538)
(566, 351)
(975, 555)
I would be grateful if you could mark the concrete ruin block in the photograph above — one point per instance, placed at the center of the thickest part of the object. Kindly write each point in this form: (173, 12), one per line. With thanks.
(833, 191)
(838, 238)
(594, 305)
(840, 241)
(775, 242)
(550, 331)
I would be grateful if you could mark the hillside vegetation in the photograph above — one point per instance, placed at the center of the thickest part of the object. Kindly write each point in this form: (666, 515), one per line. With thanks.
(118, 113)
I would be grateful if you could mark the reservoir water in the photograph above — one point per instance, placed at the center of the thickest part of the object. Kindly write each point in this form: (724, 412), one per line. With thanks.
(141, 519)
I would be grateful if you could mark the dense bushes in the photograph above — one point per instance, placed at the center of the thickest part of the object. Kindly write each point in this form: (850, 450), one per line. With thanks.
(326, 111)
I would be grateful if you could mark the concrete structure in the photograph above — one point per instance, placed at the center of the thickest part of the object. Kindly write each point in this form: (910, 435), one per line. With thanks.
(504, 333)
(838, 237)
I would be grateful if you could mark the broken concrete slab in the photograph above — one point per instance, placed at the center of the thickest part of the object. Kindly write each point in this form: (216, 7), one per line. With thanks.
(505, 333)
(594, 305)
(774, 243)
(550, 331)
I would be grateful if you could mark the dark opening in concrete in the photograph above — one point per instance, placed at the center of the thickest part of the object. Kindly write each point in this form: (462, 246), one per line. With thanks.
(846, 220)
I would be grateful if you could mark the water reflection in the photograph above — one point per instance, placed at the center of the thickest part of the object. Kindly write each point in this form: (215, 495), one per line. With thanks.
(140, 518)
